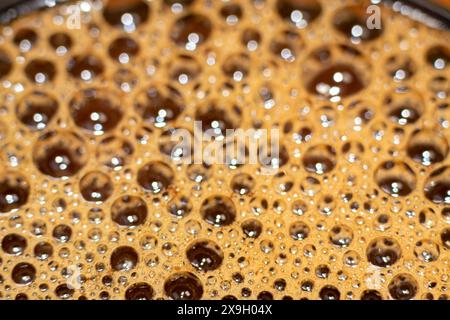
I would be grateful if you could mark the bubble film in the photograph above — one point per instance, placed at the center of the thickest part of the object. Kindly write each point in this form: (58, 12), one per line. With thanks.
(95, 205)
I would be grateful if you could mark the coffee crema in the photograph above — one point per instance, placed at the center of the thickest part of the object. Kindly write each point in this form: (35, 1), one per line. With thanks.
(93, 204)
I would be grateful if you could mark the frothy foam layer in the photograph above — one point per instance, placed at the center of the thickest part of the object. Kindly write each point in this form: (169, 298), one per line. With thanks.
(92, 206)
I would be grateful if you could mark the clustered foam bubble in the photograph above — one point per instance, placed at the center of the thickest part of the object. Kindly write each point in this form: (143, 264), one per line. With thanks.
(93, 207)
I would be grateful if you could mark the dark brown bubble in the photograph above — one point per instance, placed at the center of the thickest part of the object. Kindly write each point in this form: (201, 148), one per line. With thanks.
(280, 284)
(124, 258)
(322, 271)
(246, 292)
(371, 295)
(336, 81)
(198, 172)
(439, 86)
(43, 287)
(299, 230)
(14, 191)
(185, 69)
(126, 14)
(302, 135)
(404, 106)
(251, 38)
(96, 186)
(43, 250)
(329, 292)
(445, 213)
(180, 206)
(114, 152)
(320, 159)
(129, 211)
(204, 255)
(184, 3)
(264, 295)
(158, 106)
(383, 222)
(273, 157)
(237, 277)
(364, 112)
(349, 50)
(252, 228)
(183, 286)
(383, 252)
(353, 151)
(14, 244)
(243, 183)
(445, 238)
(322, 54)
(60, 40)
(326, 206)
(427, 147)
(23, 273)
(285, 46)
(171, 144)
(104, 295)
(155, 176)
(123, 49)
(309, 186)
(139, 291)
(400, 67)
(307, 285)
(38, 228)
(40, 71)
(341, 235)
(299, 12)
(62, 233)
(36, 109)
(231, 12)
(125, 79)
(6, 64)
(236, 66)
(395, 178)
(217, 118)
(64, 291)
(426, 250)
(403, 287)
(326, 116)
(218, 211)
(437, 186)
(96, 110)
(21, 296)
(438, 57)
(442, 111)
(85, 67)
(123, 198)
(287, 127)
(25, 39)
(259, 205)
(351, 21)
(107, 281)
(60, 154)
(191, 30)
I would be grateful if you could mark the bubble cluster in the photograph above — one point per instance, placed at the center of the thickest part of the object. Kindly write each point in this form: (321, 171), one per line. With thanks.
(95, 202)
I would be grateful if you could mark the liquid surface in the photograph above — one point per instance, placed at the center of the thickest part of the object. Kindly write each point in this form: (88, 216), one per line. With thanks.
(92, 206)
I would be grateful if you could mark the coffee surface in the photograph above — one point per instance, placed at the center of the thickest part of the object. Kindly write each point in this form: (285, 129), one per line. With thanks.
(94, 205)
